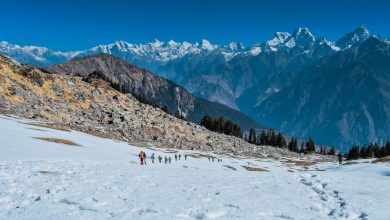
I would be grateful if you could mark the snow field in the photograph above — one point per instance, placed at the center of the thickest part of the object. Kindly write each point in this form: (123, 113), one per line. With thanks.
(102, 179)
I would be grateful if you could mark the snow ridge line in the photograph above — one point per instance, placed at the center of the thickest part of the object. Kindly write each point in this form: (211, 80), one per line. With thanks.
(332, 202)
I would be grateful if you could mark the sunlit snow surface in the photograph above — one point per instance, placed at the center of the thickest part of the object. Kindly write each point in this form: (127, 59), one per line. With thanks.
(101, 179)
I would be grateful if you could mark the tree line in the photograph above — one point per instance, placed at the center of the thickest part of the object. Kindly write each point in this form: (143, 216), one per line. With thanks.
(370, 151)
(263, 137)
(221, 125)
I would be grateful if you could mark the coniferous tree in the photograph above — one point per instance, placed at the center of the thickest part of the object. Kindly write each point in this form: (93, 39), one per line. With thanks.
(293, 145)
(252, 136)
(228, 128)
(237, 131)
(303, 148)
(369, 152)
(310, 146)
(272, 137)
(263, 138)
(332, 151)
(353, 153)
(280, 141)
(364, 152)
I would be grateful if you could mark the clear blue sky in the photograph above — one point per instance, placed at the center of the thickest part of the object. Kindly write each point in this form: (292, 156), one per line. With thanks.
(70, 25)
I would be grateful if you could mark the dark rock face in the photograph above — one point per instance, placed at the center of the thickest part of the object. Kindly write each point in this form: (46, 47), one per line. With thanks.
(153, 88)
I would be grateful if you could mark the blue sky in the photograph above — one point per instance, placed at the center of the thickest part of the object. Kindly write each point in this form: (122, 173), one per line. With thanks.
(70, 25)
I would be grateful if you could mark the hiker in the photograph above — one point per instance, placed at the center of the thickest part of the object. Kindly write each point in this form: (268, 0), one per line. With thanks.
(169, 159)
(212, 159)
(185, 156)
(340, 156)
(159, 158)
(152, 157)
(176, 157)
(179, 156)
(166, 159)
(142, 157)
(208, 158)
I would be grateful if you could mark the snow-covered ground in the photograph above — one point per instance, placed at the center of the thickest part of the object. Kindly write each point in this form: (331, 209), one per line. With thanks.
(102, 179)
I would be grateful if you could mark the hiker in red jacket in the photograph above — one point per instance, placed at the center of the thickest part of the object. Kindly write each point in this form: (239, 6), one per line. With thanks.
(142, 157)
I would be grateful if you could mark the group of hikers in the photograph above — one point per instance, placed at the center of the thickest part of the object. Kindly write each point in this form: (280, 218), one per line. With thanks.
(212, 159)
(142, 157)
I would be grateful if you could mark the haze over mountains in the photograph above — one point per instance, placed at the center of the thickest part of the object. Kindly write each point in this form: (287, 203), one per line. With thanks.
(336, 92)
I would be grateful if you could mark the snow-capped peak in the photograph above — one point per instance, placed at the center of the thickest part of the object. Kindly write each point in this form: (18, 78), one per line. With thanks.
(359, 35)
(172, 43)
(205, 44)
(279, 37)
(282, 36)
(156, 43)
(300, 37)
(236, 46)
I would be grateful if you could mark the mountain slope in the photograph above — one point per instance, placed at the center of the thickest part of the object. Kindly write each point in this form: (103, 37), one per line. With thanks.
(155, 89)
(341, 100)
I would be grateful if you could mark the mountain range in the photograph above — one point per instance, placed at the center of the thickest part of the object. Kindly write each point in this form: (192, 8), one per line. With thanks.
(295, 82)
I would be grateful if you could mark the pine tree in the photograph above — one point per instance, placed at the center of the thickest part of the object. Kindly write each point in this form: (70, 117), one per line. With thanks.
(280, 141)
(272, 137)
(206, 122)
(353, 153)
(252, 136)
(364, 152)
(369, 152)
(263, 138)
(303, 148)
(332, 151)
(293, 145)
(310, 146)
(220, 124)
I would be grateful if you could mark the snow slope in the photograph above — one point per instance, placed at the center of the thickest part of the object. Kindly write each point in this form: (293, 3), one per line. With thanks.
(101, 179)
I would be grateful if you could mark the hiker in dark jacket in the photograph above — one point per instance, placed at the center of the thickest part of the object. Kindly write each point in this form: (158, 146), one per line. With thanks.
(159, 158)
(340, 156)
(179, 156)
(176, 157)
(152, 157)
(185, 156)
(169, 159)
(166, 159)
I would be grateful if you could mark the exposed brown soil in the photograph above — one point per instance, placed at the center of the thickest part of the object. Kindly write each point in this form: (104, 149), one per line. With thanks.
(58, 140)
(255, 169)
